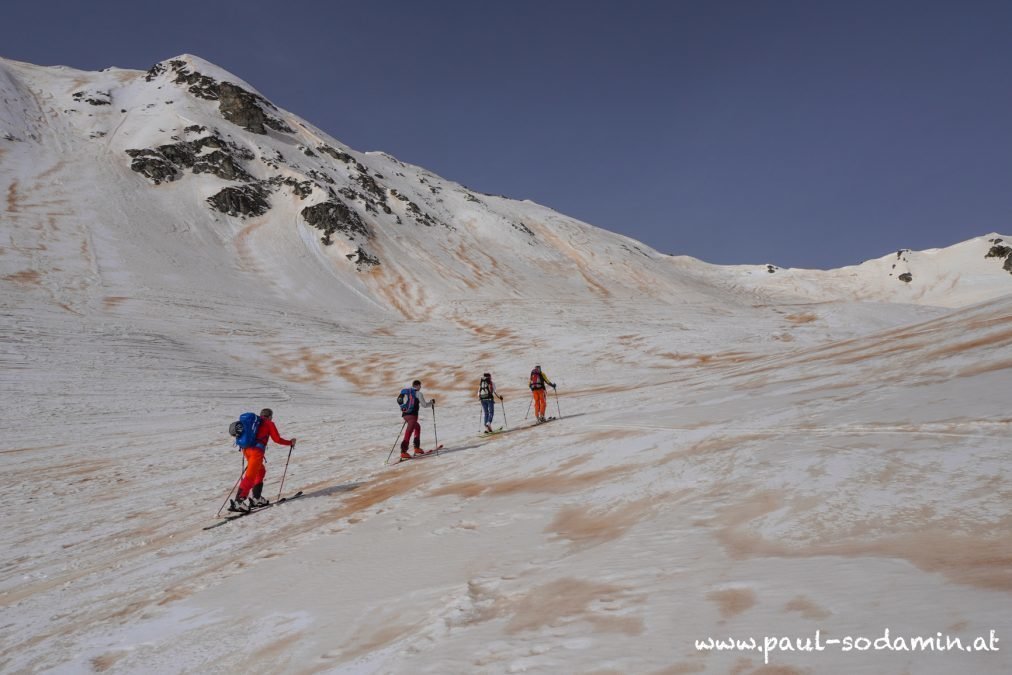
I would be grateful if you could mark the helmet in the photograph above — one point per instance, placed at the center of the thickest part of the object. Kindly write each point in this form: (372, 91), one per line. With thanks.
(486, 375)
(537, 368)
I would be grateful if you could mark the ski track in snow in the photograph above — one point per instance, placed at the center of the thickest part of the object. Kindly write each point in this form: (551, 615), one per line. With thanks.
(741, 453)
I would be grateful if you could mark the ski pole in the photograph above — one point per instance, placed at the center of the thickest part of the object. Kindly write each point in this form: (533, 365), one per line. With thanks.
(395, 442)
(434, 425)
(503, 401)
(242, 459)
(285, 472)
(557, 402)
(528, 409)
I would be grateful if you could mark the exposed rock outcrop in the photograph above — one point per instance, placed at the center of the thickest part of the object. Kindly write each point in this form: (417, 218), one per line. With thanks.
(300, 188)
(334, 216)
(241, 107)
(1000, 251)
(153, 165)
(243, 200)
(363, 259)
(336, 154)
(93, 97)
(166, 162)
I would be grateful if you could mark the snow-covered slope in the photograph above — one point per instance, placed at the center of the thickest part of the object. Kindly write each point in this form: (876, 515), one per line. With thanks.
(743, 451)
(954, 276)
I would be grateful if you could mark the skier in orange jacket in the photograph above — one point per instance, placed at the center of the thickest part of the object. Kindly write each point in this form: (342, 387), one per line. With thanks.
(537, 384)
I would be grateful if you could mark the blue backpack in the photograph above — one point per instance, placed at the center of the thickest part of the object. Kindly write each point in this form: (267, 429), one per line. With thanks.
(407, 401)
(245, 430)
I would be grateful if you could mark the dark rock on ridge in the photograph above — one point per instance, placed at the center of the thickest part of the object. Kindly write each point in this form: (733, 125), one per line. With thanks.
(201, 86)
(337, 154)
(362, 258)
(241, 107)
(999, 251)
(334, 216)
(300, 189)
(93, 97)
(244, 200)
(222, 162)
(153, 165)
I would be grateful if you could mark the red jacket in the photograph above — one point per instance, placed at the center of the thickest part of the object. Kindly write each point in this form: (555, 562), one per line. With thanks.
(268, 430)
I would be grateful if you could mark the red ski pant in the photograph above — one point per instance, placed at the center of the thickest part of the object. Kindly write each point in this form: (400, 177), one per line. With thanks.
(255, 471)
(539, 402)
(411, 426)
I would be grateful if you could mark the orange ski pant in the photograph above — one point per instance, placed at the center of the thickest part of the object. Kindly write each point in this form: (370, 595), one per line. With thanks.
(539, 402)
(255, 471)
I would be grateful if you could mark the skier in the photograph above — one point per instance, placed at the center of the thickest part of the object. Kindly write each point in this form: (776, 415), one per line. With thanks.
(410, 415)
(255, 470)
(487, 394)
(537, 384)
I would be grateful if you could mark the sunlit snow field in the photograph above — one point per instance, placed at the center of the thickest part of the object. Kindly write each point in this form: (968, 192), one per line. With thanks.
(741, 453)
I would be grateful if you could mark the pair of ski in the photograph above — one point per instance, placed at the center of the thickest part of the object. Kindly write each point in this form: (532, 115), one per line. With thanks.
(547, 420)
(425, 455)
(242, 514)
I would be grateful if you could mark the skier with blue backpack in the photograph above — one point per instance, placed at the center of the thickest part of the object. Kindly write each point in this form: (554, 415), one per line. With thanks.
(252, 432)
(411, 400)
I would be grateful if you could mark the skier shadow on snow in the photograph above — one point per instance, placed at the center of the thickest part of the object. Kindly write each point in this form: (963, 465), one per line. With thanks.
(525, 427)
(473, 446)
(332, 490)
(448, 451)
(532, 426)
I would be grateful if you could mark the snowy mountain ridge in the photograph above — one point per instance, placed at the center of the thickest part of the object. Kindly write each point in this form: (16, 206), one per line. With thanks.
(219, 156)
(742, 450)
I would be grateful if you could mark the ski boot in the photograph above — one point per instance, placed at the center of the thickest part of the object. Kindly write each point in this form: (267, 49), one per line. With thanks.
(256, 499)
(239, 505)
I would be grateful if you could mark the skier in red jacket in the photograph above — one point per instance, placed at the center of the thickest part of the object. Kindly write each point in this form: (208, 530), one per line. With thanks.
(253, 478)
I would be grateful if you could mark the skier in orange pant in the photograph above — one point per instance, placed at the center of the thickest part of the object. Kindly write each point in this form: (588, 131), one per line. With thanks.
(252, 482)
(537, 384)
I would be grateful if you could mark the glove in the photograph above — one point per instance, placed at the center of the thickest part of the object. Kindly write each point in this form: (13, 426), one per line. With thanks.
(293, 442)
(553, 386)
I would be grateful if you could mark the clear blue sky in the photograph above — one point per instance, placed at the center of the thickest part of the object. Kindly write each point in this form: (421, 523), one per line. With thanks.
(807, 134)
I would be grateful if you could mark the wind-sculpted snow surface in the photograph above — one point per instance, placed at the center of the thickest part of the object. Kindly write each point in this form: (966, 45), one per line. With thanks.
(742, 452)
